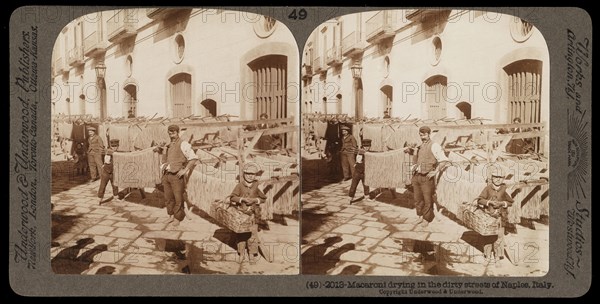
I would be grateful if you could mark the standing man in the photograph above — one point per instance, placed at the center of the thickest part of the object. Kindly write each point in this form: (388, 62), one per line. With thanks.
(177, 161)
(429, 160)
(359, 171)
(95, 150)
(348, 152)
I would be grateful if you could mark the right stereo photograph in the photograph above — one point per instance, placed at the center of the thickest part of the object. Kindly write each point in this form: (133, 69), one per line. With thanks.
(425, 145)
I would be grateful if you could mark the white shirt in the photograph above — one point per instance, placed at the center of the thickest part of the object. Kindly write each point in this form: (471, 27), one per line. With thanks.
(187, 150)
(438, 152)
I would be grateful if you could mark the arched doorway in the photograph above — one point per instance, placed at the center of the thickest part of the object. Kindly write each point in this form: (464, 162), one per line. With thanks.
(465, 109)
(209, 108)
(435, 96)
(270, 89)
(524, 90)
(180, 93)
(130, 101)
(387, 93)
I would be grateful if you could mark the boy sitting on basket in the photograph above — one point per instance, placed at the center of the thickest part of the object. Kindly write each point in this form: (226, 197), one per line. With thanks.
(247, 197)
(494, 200)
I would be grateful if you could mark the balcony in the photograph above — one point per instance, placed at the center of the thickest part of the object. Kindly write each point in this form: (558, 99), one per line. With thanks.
(381, 26)
(420, 15)
(334, 56)
(94, 45)
(160, 13)
(75, 56)
(122, 25)
(317, 65)
(307, 70)
(59, 67)
(352, 44)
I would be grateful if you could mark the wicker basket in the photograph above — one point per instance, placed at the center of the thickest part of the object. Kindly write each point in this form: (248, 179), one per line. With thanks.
(230, 217)
(481, 222)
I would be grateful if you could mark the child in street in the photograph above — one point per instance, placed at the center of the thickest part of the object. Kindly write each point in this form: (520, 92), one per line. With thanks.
(81, 162)
(494, 200)
(106, 173)
(247, 197)
(359, 171)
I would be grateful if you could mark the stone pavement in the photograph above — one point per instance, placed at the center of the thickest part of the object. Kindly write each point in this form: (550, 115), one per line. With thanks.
(381, 237)
(132, 236)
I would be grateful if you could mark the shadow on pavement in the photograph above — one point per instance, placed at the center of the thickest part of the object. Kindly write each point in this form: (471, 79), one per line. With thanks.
(477, 240)
(62, 223)
(316, 175)
(64, 176)
(350, 270)
(315, 261)
(68, 261)
(186, 255)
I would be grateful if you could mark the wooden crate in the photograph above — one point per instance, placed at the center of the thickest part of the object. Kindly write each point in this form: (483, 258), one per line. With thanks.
(230, 217)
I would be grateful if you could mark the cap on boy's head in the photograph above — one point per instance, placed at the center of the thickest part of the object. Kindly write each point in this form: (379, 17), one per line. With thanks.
(366, 143)
(344, 127)
(425, 129)
(91, 129)
(495, 172)
(250, 170)
(173, 128)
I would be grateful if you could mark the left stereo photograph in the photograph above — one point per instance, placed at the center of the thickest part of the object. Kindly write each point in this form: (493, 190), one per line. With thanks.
(175, 144)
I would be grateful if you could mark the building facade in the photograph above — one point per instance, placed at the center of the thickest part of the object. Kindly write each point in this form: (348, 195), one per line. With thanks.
(175, 63)
(427, 64)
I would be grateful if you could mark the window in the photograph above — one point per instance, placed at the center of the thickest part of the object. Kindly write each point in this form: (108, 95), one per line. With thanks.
(524, 90)
(181, 94)
(386, 66)
(130, 101)
(465, 109)
(387, 93)
(436, 50)
(270, 77)
(179, 48)
(209, 108)
(435, 97)
(265, 26)
(520, 30)
(129, 66)
(338, 104)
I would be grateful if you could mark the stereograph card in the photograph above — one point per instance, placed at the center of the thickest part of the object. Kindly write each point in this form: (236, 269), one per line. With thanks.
(300, 151)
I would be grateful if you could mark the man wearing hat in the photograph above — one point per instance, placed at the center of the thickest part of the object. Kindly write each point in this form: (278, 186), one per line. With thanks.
(348, 152)
(95, 150)
(359, 171)
(178, 159)
(494, 200)
(428, 159)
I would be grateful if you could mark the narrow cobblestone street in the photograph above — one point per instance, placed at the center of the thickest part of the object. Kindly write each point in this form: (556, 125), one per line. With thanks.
(381, 237)
(132, 236)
